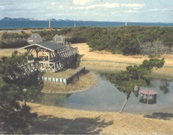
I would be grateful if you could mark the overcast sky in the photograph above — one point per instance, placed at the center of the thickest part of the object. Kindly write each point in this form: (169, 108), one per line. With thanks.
(98, 10)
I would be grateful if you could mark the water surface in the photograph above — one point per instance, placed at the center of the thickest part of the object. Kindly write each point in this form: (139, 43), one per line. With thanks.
(104, 96)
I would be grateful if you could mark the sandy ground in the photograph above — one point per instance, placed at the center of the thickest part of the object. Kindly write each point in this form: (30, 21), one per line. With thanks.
(57, 120)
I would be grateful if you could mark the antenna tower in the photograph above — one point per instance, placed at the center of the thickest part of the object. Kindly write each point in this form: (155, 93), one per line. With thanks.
(49, 23)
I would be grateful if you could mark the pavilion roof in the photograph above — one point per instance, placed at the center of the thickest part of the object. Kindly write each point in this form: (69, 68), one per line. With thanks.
(48, 45)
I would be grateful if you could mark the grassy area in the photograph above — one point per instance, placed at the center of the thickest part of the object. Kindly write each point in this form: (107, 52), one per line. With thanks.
(106, 61)
(58, 120)
(8, 52)
(63, 74)
(80, 84)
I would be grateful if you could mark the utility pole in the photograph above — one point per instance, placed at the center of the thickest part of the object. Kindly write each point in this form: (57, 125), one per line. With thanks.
(49, 24)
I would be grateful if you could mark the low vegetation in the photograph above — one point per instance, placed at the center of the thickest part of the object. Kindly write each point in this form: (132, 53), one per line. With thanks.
(13, 40)
(127, 40)
(133, 40)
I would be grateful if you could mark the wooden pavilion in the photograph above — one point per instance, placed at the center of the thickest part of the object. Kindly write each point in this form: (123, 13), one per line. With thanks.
(51, 56)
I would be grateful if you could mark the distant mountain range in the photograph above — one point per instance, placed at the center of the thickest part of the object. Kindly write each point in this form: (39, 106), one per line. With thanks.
(16, 19)
(29, 19)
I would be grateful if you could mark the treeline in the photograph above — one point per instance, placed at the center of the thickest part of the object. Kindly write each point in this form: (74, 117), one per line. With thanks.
(73, 35)
(134, 40)
(13, 43)
(127, 40)
(13, 40)
(16, 35)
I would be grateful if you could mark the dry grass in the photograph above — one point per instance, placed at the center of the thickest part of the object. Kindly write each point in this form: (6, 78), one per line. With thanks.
(103, 60)
(107, 56)
(63, 74)
(71, 121)
(8, 52)
(80, 84)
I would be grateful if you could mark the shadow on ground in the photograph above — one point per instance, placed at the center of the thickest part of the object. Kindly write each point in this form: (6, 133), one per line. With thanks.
(48, 125)
(160, 115)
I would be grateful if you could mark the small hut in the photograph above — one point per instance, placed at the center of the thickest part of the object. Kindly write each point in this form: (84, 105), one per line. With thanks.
(59, 39)
(148, 96)
(35, 38)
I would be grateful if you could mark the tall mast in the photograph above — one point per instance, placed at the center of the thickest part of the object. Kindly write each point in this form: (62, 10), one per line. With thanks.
(49, 23)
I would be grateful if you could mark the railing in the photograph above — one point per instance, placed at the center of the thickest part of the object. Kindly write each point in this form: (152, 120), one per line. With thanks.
(29, 67)
(68, 52)
(50, 66)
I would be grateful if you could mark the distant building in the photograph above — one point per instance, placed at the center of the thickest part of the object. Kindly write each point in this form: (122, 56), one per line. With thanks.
(59, 39)
(35, 38)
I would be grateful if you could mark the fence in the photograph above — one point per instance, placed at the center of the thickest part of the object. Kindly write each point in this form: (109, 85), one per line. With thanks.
(65, 81)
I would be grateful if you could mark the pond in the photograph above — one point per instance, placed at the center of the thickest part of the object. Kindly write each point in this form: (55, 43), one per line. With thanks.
(104, 96)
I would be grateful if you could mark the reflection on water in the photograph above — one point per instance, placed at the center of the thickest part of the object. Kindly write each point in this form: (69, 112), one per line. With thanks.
(52, 99)
(163, 84)
(104, 96)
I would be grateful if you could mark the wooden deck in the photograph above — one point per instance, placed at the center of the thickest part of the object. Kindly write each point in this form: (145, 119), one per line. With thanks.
(63, 74)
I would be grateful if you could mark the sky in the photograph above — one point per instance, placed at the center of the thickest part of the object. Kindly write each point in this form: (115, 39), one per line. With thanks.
(90, 10)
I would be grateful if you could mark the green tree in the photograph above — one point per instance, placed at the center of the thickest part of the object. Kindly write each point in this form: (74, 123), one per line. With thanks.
(133, 77)
(16, 87)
